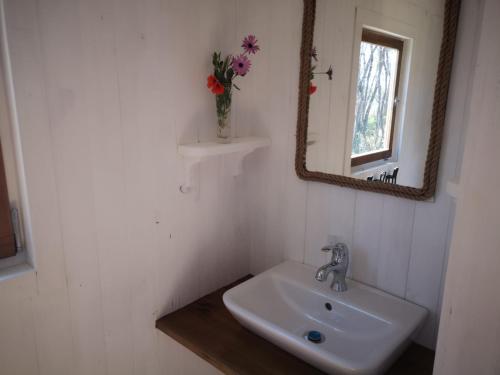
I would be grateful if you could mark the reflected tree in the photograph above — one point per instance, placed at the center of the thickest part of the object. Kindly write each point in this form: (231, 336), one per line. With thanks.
(376, 77)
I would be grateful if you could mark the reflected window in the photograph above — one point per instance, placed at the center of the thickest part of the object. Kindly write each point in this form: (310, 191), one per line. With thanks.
(376, 97)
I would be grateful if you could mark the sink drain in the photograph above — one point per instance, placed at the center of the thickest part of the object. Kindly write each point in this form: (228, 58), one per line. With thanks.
(314, 336)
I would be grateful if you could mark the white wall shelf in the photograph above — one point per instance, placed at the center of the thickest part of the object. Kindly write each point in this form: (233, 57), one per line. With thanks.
(194, 153)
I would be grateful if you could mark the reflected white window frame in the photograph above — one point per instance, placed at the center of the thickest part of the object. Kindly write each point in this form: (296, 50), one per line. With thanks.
(392, 41)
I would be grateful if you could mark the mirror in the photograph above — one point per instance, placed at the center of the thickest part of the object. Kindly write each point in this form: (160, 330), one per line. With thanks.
(373, 88)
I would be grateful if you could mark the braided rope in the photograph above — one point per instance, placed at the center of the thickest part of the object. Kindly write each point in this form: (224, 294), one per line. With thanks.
(452, 9)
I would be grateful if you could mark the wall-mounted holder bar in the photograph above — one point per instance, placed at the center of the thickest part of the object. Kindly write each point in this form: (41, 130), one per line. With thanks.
(194, 153)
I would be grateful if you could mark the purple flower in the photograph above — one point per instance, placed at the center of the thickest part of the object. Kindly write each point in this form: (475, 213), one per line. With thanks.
(250, 44)
(241, 64)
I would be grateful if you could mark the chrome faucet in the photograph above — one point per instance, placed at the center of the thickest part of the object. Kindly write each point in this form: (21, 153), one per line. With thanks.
(338, 265)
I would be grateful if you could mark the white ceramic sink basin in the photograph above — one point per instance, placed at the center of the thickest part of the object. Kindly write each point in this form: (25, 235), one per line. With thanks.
(363, 333)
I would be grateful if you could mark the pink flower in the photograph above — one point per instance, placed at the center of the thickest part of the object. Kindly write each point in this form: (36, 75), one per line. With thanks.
(241, 65)
(250, 44)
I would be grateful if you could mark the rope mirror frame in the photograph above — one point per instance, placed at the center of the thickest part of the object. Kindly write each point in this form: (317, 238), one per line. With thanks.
(450, 25)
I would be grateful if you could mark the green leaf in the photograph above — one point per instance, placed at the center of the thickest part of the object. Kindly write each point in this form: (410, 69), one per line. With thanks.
(230, 74)
(236, 87)
(220, 76)
(226, 62)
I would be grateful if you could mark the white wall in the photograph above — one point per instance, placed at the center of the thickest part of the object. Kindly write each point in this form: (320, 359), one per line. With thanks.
(397, 245)
(105, 91)
(469, 336)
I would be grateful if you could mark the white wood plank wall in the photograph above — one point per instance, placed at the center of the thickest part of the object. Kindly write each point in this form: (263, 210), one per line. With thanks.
(469, 335)
(105, 90)
(397, 245)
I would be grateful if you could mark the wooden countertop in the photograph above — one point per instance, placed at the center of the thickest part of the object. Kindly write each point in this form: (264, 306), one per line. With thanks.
(208, 329)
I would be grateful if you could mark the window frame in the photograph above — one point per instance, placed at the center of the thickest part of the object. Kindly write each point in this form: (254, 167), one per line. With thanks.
(13, 194)
(7, 235)
(386, 40)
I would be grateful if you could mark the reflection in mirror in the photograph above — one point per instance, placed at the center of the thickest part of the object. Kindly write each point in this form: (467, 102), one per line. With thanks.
(373, 71)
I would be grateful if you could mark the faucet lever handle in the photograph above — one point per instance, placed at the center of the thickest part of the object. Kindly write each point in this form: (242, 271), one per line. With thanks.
(326, 249)
(339, 252)
(331, 248)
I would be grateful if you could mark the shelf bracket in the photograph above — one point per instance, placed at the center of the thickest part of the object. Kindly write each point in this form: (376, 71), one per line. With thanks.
(233, 154)
(237, 162)
(189, 164)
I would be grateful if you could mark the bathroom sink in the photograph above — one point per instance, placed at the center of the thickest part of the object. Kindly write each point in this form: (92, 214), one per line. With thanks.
(359, 331)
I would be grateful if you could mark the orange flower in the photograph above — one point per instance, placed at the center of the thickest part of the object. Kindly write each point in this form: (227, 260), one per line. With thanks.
(218, 89)
(211, 80)
(215, 86)
(312, 89)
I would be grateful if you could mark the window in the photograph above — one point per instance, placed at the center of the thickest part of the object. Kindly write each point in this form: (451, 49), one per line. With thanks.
(15, 258)
(376, 97)
(7, 238)
(11, 233)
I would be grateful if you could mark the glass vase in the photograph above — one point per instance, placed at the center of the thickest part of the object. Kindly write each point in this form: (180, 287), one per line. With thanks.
(223, 102)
